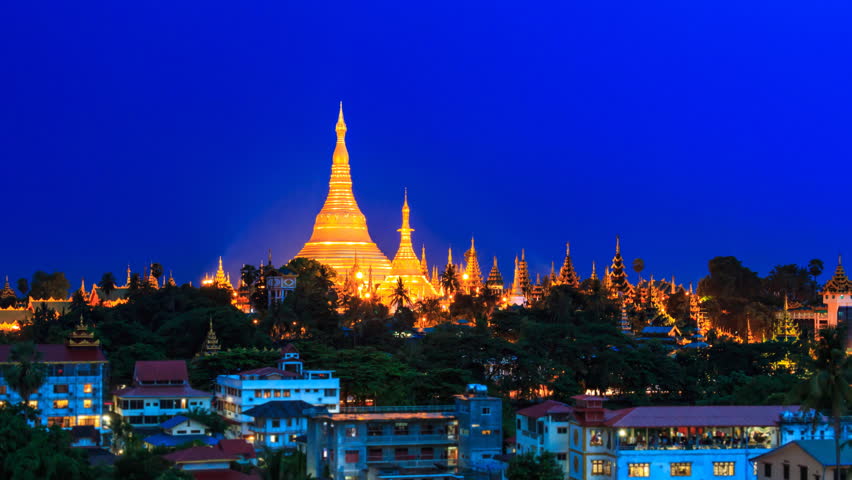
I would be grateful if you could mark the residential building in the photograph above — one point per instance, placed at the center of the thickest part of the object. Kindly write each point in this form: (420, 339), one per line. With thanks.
(73, 390)
(592, 442)
(280, 423)
(180, 430)
(808, 459)
(160, 391)
(435, 442)
(214, 462)
(242, 391)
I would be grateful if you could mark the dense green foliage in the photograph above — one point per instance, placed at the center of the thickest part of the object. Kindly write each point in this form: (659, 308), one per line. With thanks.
(527, 465)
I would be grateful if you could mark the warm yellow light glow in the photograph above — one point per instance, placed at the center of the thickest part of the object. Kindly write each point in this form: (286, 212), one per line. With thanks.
(465, 276)
(359, 275)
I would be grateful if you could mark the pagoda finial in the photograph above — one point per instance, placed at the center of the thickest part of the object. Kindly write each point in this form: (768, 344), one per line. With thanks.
(340, 128)
(568, 248)
(594, 271)
(128, 274)
(472, 248)
(617, 244)
(523, 255)
(786, 307)
(269, 256)
(495, 260)
(450, 256)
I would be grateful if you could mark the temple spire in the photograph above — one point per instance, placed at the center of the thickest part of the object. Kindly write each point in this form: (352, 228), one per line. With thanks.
(424, 267)
(567, 274)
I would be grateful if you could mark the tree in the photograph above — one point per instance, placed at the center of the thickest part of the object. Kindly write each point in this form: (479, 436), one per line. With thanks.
(827, 390)
(156, 270)
(249, 274)
(107, 283)
(49, 285)
(638, 266)
(527, 466)
(25, 374)
(815, 268)
(23, 286)
(211, 419)
(399, 297)
(449, 280)
(283, 465)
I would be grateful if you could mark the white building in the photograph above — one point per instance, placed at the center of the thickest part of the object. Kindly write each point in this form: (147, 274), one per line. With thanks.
(245, 390)
(160, 391)
(591, 442)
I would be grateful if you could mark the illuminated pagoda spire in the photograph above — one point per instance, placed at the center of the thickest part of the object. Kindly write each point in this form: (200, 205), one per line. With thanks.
(495, 279)
(406, 266)
(340, 226)
(127, 282)
(839, 282)
(7, 295)
(82, 287)
(785, 329)
(594, 275)
(552, 279)
(517, 294)
(472, 273)
(211, 343)
(424, 267)
(171, 282)
(152, 280)
(617, 277)
(220, 279)
(81, 337)
(436, 277)
(524, 273)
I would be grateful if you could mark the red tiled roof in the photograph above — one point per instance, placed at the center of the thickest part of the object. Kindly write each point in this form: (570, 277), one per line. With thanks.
(51, 353)
(264, 371)
(200, 454)
(699, 416)
(161, 391)
(589, 397)
(545, 408)
(222, 474)
(151, 371)
(237, 447)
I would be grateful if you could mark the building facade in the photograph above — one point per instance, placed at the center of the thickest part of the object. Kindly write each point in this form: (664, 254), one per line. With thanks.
(591, 442)
(435, 442)
(73, 391)
(160, 391)
(237, 393)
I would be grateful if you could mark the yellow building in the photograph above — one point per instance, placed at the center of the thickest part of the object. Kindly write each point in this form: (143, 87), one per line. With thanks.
(406, 265)
(340, 231)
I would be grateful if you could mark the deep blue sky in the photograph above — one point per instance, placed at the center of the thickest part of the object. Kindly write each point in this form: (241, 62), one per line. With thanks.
(179, 131)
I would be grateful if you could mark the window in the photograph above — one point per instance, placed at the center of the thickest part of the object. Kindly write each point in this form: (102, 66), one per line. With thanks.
(274, 439)
(486, 410)
(285, 393)
(767, 470)
(519, 424)
(374, 455)
(267, 393)
(87, 403)
(427, 429)
(400, 453)
(60, 404)
(258, 393)
(330, 392)
(276, 393)
(487, 432)
(87, 388)
(351, 432)
(803, 472)
(723, 469)
(576, 437)
(786, 473)
(374, 429)
(427, 453)
(132, 404)
(601, 467)
(577, 466)
(276, 423)
(351, 456)
(60, 389)
(400, 428)
(562, 430)
(562, 457)
(169, 403)
(681, 469)
(595, 438)
(638, 469)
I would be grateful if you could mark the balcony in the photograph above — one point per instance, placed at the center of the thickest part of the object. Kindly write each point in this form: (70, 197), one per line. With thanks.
(400, 409)
(409, 462)
(436, 439)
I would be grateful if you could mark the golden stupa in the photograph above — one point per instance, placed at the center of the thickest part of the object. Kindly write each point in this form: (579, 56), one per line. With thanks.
(340, 232)
(406, 265)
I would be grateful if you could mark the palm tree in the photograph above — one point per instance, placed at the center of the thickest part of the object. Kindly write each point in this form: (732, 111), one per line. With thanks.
(638, 266)
(399, 297)
(107, 284)
(827, 390)
(449, 280)
(25, 374)
(156, 270)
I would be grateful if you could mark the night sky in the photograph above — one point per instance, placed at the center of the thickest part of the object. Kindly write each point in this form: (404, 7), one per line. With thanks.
(180, 131)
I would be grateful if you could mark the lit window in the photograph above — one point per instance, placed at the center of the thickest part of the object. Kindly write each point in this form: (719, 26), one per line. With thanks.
(60, 404)
(487, 432)
(595, 438)
(351, 432)
(601, 467)
(87, 403)
(276, 393)
(2, 389)
(273, 438)
(723, 469)
(258, 393)
(681, 469)
(638, 469)
(87, 388)
(286, 393)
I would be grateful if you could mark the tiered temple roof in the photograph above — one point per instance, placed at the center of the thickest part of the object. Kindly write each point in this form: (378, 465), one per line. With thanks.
(524, 273)
(340, 230)
(211, 343)
(839, 283)
(495, 279)
(472, 273)
(617, 276)
(406, 266)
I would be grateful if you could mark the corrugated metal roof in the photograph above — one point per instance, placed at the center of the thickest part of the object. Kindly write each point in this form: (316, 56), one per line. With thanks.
(699, 416)
(163, 370)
